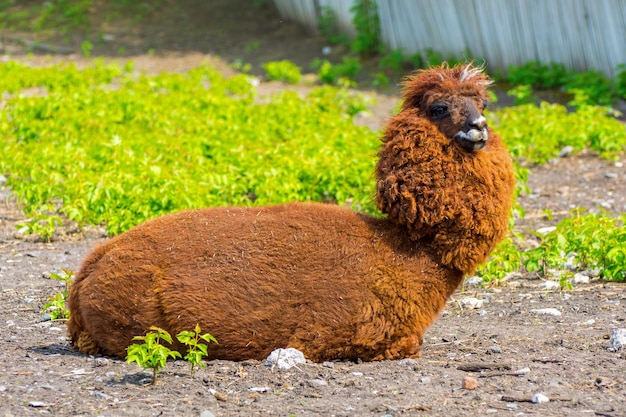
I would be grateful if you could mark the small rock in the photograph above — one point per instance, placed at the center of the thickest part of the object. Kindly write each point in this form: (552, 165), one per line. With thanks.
(285, 358)
(482, 312)
(522, 371)
(425, 380)
(566, 151)
(618, 339)
(110, 374)
(512, 406)
(328, 365)
(206, 413)
(46, 317)
(548, 311)
(317, 382)
(219, 396)
(2, 388)
(494, 349)
(550, 285)
(610, 175)
(99, 394)
(469, 383)
(474, 281)
(55, 329)
(100, 362)
(259, 389)
(546, 230)
(590, 322)
(540, 398)
(36, 404)
(471, 303)
(580, 278)
(408, 362)
(357, 373)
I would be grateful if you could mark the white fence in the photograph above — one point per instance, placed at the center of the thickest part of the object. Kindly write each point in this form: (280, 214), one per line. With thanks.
(581, 34)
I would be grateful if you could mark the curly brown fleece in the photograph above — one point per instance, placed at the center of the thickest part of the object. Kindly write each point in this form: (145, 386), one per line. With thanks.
(319, 278)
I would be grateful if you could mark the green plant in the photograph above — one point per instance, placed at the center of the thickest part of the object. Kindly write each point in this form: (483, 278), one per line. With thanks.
(56, 305)
(42, 224)
(584, 241)
(367, 25)
(284, 70)
(504, 259)
(86, 48)
(393, 60)
(332, 74)
(151, 354)
(196, 349)
(327, 24)
(523, 94)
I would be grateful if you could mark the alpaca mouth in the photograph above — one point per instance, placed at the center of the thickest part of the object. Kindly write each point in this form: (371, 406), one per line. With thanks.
(472, 140)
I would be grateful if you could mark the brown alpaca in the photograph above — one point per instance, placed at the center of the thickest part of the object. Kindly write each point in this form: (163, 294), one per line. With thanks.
(320, 278)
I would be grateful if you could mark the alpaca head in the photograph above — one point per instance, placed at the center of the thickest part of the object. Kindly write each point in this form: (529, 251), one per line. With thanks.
(453, 99)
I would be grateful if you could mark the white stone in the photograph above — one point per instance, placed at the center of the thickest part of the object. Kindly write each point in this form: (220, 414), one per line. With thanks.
(546, 230)
(285, 358)
(550, 285)
(540, 398)
(618, 339)
(471, 303)
(259, 389)
(474, 281)
(549, 311)
(580, 278)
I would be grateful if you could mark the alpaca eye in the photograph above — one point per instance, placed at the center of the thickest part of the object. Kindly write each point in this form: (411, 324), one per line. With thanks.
(439, 111)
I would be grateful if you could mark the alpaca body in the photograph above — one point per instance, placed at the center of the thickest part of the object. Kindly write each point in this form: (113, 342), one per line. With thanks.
(319, 278)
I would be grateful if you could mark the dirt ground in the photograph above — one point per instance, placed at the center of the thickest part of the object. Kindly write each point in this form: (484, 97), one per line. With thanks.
(512, 351)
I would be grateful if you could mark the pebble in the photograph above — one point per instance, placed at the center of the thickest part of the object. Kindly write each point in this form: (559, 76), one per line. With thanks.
(99, 394)
(548, 311)
(408, 362)
(522, 371)
(482, 312)
(36, 404)
(495, 349)
(550, 285)
(259, 389)
(55, 329)
(328, 365)
(469, 383)
(317, 382)
(100, 362)
(285, 358)
(566, 151)
(425, 380)
(207, 413)
(474, 281)
(610, 175)
(618, 339)
(471, 303)
(110, 374)
(546, 230)
(580, 278)
(540, 398)
(2, 388)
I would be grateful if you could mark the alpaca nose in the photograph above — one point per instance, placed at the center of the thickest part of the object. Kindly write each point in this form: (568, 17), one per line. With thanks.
(478, 123)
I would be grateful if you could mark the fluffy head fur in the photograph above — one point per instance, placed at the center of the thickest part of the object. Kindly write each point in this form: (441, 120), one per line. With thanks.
(453, 194)
(319, 278)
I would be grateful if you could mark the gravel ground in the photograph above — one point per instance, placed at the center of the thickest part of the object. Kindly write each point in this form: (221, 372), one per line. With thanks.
(488, 360)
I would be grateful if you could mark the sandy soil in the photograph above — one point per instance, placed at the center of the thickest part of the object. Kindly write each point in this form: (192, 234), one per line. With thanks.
(511, 351)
